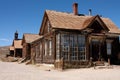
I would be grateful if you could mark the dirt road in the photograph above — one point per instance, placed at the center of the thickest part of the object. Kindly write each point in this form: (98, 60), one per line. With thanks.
(15, 71)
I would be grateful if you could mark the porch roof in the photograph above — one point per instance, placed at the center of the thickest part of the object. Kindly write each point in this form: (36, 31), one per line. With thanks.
(64, 20)
(30, 37)
(11, 48)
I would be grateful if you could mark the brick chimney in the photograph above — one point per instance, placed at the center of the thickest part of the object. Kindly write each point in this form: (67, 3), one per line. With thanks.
(75, 8)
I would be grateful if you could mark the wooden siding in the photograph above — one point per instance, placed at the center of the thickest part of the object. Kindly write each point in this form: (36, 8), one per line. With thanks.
(26, 51)
(46, 58)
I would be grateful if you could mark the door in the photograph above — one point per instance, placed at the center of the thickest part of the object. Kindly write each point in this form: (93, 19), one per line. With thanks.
(95, 49)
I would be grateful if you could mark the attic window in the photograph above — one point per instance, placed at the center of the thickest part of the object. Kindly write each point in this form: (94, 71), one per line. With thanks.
(48, 25)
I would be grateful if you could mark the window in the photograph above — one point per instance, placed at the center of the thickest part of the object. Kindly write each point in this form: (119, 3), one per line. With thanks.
(109, 48)
(73, 46)
(50, 47)
(70, 46)
(65, 46)
(40, 51)
(46, 49)
(58, 46)
(37, 51)
(81, 47)
(48, 25)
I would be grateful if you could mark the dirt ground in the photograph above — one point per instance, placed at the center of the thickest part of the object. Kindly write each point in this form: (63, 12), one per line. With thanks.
(15, 71)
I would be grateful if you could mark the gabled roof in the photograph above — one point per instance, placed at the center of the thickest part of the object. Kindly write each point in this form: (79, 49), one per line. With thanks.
(30, 37)
(17, 43)
(111, 26)
(91, 20)
(63, 20)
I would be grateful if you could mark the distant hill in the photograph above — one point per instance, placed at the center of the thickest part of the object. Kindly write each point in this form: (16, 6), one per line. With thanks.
(4, 50)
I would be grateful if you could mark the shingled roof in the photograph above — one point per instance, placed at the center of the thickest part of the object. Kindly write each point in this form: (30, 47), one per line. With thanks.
(64, 20)
(30, 37)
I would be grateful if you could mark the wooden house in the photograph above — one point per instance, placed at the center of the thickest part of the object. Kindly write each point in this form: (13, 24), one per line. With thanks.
(37, 50)
(16, 48)
(76, 39)
(11, 49)
(26, 40)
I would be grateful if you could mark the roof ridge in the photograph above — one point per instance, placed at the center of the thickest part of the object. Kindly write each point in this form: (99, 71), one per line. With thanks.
(58, 12)
(69, 13)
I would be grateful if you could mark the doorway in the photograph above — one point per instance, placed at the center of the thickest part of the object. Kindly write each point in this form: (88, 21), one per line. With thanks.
(95, 49)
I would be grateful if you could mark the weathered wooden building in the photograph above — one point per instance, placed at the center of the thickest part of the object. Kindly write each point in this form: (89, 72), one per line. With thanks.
(37, 50)
(16, 48)
(26, 40)
(11, 49)
(76, 39)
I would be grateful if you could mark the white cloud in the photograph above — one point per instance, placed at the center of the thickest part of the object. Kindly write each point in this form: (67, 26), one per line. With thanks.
(5, 40)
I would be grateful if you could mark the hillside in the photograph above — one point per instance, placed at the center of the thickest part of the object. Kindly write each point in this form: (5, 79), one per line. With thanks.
(3, 51)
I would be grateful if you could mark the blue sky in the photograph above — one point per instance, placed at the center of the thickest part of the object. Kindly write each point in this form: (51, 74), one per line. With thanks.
(25, 16)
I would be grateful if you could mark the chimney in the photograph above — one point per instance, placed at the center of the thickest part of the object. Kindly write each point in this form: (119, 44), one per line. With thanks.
(75, 8)
(90, 12)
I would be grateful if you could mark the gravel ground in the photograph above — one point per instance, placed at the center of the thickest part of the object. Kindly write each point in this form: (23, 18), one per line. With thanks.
(15, 71)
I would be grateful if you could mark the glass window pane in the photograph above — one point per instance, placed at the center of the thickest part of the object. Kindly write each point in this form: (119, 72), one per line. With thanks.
(108, 48)
(81, 47)
(65, 45)
(50, 47)
(57, 46)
